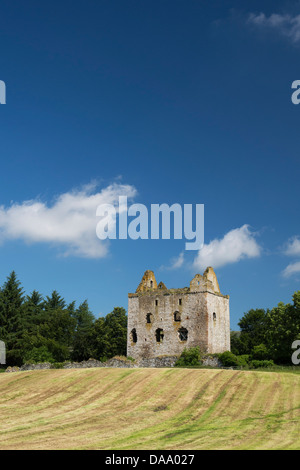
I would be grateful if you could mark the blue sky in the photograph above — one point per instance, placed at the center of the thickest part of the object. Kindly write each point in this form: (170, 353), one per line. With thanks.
(168, 102)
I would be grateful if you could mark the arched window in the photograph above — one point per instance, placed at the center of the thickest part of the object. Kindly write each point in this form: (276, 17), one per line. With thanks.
(214, 316)
(177, 316)
(183, 334)
(149, 318)
(133, 335)
(159, 334)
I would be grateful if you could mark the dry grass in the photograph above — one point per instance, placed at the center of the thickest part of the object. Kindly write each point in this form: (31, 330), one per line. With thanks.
(149, 409)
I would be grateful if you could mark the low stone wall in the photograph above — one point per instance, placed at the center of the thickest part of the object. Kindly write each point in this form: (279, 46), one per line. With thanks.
(157, 362)
(163, 361)
(211, 361)
(114, 362)
(12, 369)
(41, 366)
(83, 365)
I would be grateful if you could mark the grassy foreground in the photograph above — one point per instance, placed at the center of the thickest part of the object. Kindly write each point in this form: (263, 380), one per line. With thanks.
(149, 409)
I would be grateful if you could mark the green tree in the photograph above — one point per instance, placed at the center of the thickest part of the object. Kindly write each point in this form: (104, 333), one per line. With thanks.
(38, 354)
(228, 359)
(57, 328)
(115, 326)
(260, 352)
(12, 322)
(82, 344)
(33, 315)
(98, 340)
(236, 345)
(254, 328)
(33, 310)
(110, 334)
(55, 301)
(283, 329)
(189, 357)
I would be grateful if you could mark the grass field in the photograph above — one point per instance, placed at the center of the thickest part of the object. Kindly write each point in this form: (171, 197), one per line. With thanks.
(149, 409)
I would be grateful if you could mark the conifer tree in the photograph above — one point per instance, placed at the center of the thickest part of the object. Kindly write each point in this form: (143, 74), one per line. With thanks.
(82, 348)
(12, 321)
(33, 307)
(55, 301)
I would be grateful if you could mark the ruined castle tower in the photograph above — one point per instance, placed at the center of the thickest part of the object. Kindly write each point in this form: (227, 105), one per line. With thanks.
(163, 322)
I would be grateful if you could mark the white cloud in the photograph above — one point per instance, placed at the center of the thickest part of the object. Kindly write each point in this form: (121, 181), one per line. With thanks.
(287, 25)
(70, 222)
(236, 245)
(292, 247)
(176, 263)
(291, 269)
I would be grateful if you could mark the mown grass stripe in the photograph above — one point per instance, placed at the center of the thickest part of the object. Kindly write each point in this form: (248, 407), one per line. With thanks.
(149, 409)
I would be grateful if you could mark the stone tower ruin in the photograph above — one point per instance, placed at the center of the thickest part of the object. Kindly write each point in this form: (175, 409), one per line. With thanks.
(163, 322)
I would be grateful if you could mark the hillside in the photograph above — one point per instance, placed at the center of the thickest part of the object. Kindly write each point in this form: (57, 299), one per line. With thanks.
(149, 409)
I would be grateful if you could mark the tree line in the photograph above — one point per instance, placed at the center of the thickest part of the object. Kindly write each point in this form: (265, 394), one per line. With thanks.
(38, 329)
(47, 329)
(269, 334)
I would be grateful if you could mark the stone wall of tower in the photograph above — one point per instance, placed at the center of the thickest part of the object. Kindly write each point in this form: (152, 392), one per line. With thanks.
(218, 323)
(200, 310)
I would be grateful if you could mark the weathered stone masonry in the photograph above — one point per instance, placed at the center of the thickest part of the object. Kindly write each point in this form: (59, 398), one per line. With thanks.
(163, 322)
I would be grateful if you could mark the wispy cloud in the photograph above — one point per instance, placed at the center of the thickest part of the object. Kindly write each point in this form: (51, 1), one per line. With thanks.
(237, 244)
(291, 269)
(292, 248)
(176, 263)
(287, 25)
(69, 222)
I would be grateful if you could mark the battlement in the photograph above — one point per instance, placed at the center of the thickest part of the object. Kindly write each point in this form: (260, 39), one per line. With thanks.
(200, 283)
